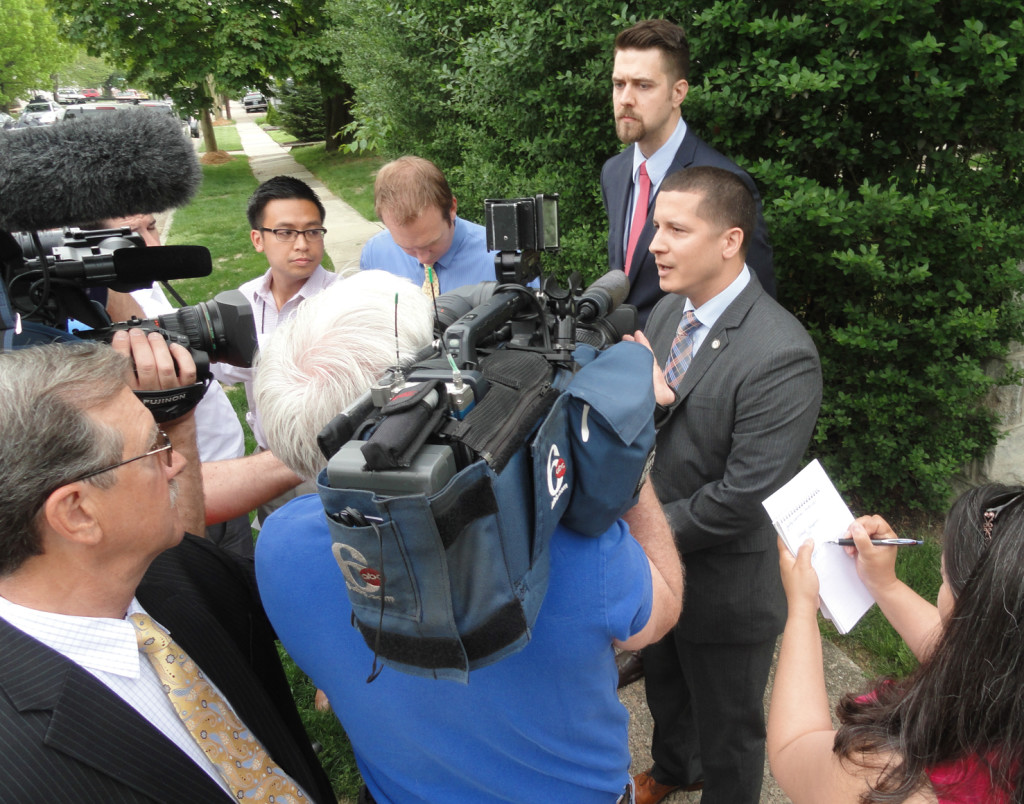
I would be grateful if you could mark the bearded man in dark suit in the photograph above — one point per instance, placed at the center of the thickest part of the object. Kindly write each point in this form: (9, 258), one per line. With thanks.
(649, 83)
(90, 538)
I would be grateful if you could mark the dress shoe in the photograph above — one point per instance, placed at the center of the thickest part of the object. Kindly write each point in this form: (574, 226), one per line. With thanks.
(631, 667)
(648, 791)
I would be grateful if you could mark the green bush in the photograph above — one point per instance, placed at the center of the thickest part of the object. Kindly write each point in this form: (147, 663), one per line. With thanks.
(887, 137)
(301, 112)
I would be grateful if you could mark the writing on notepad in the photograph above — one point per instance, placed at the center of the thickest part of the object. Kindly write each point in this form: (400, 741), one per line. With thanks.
(809, 507)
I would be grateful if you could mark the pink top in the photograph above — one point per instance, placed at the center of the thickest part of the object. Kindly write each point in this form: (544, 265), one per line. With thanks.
(968, 782)
(961, 781)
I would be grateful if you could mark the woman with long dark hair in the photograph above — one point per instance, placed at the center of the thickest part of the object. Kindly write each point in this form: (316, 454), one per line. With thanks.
(953, 730)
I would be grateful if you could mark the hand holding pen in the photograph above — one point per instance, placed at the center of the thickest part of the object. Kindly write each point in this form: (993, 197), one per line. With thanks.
(871, 538)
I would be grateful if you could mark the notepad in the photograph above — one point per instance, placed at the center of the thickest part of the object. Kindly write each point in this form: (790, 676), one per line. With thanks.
(809, 507)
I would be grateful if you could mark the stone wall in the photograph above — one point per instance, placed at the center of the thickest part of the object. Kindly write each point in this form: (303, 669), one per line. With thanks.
(1005, 463)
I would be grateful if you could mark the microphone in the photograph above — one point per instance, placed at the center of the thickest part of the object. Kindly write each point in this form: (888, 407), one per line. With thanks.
(604, 295)
(128, 269)
(87, 169)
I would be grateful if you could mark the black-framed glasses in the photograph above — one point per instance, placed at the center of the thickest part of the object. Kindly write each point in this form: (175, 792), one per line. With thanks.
(289, 235)
(163, 447)
(990, 515)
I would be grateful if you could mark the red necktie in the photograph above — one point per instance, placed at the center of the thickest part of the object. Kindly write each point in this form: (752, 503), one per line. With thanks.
(639, 214)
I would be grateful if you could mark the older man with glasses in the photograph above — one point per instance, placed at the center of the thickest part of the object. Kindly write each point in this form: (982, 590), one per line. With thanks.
(136, 664)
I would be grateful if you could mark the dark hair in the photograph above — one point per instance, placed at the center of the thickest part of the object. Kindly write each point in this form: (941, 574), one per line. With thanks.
(726, 200)
(47, 436)
(279, 188)
(666, 36)
(965, 700)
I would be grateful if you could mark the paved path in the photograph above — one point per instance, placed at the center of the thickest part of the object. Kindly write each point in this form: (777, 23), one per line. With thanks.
(347, 232)
(841, 675)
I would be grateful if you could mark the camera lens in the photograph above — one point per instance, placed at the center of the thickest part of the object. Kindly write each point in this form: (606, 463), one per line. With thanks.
(224, 328)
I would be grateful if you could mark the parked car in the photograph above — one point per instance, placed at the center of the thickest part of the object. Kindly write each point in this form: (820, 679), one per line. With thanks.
(91, 110)
(42, 111)
(90, 94)
(6, 121)
(254, 102)
(69, 95)
(112, 107)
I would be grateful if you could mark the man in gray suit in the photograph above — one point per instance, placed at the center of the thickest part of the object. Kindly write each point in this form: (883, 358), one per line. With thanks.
(738, 400)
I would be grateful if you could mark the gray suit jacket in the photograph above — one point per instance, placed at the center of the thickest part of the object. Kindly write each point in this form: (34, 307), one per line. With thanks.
(744, 414)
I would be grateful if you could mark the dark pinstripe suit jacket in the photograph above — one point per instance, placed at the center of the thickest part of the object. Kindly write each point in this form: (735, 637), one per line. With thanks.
(616, 187)
(65, 737)
(745, 413)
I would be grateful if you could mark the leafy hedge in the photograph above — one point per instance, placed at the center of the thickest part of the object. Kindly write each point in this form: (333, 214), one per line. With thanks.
(887, 137)
(301, 112)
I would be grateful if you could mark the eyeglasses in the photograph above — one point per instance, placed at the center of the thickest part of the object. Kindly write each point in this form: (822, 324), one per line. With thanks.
(163, 447)
(991, 514)
(289, 235)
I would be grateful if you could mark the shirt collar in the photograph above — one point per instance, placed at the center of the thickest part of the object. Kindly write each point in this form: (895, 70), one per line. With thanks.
(314, 284)
(709, 312)
(660, 161)
(453, 249)
(95, 643)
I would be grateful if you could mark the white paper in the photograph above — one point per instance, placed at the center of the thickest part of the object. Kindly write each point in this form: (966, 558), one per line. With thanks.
(809, 507)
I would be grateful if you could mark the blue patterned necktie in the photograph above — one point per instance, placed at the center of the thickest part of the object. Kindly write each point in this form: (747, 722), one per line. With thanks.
(229, 745)
(681, 353)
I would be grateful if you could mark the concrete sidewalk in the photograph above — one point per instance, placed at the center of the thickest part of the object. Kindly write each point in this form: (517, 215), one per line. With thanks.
(841, 676)
(347, 230)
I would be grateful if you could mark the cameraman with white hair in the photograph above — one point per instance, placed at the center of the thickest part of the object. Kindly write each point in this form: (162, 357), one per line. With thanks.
(542, 724)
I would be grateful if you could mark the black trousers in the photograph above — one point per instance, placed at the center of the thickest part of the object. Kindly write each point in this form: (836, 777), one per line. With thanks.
(707, 701)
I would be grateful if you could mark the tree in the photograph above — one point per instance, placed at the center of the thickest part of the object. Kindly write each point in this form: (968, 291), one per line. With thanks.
(887, 138)
(86, 71)
(176, 45)
(30, 49)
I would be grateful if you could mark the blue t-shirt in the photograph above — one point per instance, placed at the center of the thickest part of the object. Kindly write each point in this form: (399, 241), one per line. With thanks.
(466, 262)
(544, 724)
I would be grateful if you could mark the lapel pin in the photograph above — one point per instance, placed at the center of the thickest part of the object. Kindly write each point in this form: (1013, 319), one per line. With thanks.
(715, 343)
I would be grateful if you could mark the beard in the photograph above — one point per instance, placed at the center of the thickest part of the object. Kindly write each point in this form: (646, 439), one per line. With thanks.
(630, 131)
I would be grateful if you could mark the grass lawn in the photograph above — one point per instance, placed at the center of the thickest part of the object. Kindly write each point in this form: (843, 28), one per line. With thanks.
(280, 135)
(227, 137)
(348, 176)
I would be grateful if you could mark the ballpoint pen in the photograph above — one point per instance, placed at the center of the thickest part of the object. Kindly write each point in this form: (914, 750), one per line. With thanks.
(887, 542)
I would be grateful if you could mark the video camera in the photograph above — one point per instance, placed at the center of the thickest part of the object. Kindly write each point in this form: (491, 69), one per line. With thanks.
(446, 480)
(47, 276)
(55, 178)
(478, 326)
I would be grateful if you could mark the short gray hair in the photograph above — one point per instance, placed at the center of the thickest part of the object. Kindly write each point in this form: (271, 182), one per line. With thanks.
(46, 434)
(338, 343)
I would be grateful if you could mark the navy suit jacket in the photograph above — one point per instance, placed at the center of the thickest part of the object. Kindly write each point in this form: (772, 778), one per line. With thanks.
(616, 190)
(65, 737)
(744, 413)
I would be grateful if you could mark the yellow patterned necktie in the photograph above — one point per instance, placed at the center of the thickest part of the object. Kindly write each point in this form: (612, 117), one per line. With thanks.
(230, 746)
(431, 287)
